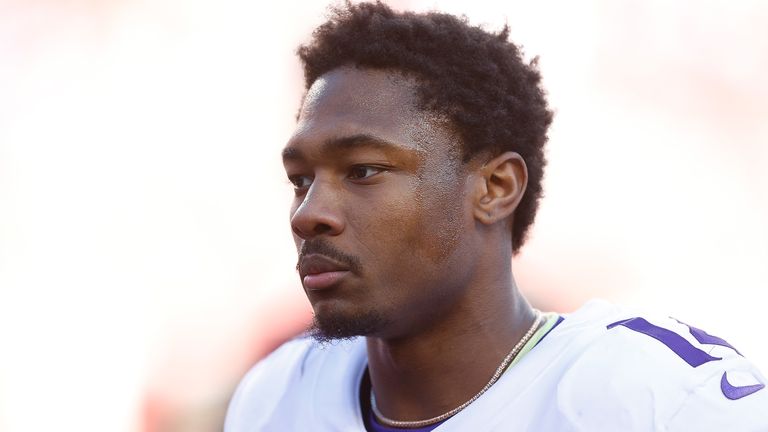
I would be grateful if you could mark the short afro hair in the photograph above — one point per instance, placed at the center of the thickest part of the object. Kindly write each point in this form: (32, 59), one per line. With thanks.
(477, 79)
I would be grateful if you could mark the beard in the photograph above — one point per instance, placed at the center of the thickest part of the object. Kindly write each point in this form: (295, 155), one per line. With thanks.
(329, 327)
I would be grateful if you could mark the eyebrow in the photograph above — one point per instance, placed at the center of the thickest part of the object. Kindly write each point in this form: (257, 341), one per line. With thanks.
(346, 143)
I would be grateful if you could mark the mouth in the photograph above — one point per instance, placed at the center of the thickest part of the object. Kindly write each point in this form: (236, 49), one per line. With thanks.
(319, 272)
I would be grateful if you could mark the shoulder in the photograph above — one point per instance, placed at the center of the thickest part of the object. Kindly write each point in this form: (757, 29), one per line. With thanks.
(265, 383)
(657, 373)
(284, 380)
(272, 373)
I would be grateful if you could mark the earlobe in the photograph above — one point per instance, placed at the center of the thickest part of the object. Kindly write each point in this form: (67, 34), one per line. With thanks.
(501, 185)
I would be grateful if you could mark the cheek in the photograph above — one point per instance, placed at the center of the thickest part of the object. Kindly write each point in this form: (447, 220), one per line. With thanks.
(441, 213)
(381, 225)
(448, 230)
(440, 225)
(412, 230)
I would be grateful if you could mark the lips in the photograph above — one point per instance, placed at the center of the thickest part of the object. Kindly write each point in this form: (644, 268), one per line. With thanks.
(320, 272)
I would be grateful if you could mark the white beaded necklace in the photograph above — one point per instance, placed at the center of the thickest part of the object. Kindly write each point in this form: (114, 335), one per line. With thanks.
(499, 371)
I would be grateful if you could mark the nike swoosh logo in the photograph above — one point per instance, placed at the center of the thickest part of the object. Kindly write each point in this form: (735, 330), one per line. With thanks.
(733, 392)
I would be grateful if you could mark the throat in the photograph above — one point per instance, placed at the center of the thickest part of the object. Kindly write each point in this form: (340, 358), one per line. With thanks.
(416, 386)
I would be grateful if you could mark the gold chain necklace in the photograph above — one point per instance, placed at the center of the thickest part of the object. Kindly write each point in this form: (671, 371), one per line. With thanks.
(499, 371)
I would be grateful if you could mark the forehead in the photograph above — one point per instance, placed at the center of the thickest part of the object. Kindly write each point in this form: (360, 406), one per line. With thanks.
(350, 101)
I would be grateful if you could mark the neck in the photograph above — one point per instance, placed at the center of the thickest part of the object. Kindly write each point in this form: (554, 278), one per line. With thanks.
(438, 368)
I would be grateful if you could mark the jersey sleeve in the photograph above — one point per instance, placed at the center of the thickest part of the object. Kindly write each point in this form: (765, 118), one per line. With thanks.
(735, 400)
(662, 375)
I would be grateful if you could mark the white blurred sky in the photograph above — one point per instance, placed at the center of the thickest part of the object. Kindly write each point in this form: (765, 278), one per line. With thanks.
(144, 245)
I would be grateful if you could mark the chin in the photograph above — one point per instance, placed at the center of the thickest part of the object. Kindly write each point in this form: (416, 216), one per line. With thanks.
(330, 325)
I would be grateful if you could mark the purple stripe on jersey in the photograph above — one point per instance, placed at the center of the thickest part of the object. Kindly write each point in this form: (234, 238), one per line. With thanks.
(733, 392)
(378, 427)
(559, 320)
(706, 338)
(678, 344)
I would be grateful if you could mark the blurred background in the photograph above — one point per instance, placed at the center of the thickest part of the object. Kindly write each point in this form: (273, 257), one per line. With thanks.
(145, 256)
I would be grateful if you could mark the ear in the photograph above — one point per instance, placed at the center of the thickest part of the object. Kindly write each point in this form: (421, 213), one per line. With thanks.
(501, 183)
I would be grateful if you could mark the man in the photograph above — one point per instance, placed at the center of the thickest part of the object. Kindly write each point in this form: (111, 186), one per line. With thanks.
(417, 163)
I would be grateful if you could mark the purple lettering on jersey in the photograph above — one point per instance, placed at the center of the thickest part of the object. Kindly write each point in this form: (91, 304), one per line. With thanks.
(678, 344)
(706, 338)
(733, 392)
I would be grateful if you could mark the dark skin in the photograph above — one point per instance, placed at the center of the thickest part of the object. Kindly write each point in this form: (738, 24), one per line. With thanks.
(381, 181)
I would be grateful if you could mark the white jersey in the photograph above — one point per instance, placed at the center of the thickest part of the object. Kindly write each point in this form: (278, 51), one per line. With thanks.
(601, 369)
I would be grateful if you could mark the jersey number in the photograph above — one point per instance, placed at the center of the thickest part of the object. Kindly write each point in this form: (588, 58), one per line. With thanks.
(678, 344)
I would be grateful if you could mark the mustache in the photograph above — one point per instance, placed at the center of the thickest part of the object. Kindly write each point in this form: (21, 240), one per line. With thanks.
(322, 247)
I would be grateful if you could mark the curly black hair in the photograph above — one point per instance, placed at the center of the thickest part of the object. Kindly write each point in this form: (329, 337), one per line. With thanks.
(475, 78)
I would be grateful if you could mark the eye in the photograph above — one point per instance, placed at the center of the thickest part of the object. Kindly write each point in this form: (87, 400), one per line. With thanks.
(360, 172)
(300, 182)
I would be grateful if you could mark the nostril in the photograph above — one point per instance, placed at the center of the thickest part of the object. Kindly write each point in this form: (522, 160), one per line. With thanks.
(306, 231)
(322, 228)
(317, 215)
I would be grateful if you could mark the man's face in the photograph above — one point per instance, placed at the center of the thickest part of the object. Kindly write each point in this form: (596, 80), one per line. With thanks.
(380, 215)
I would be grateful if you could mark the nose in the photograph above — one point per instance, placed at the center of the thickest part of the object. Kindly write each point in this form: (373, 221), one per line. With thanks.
(319, 213)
